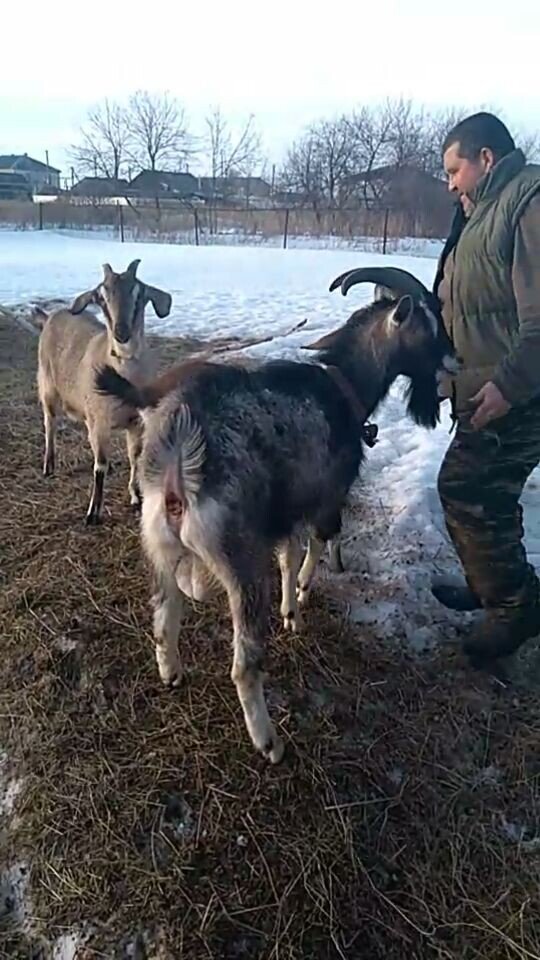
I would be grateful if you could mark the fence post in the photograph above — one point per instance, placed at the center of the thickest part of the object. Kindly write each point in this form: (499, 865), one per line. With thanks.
(196, 219)
(385, 230)
(40, 216)
(286, 229)
(120, 220)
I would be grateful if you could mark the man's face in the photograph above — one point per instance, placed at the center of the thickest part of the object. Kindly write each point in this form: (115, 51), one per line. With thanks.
(463, 175)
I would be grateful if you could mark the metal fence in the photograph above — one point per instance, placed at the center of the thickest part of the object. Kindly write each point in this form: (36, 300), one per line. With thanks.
(172, 222)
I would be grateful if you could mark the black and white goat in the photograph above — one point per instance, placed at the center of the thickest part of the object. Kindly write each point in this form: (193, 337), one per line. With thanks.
(238, 464)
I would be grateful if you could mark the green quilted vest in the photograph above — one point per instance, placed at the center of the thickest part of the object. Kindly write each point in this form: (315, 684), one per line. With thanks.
(482, 320)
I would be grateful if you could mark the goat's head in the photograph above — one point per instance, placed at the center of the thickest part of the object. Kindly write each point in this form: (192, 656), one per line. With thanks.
(401, 333)
(122, 298)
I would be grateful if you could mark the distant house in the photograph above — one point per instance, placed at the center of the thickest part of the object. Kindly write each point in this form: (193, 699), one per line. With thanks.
(395, 185)
(422, 198)
(14, 186)
(289, 198)
(235, 188)
(36, 173)
(99, 188)
(155, 184)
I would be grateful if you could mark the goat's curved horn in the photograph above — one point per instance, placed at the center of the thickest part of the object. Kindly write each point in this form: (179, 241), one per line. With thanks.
(132, 269)
(393, 278)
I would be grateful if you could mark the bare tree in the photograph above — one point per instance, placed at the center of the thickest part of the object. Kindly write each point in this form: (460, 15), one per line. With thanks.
(301, 169)
(371, 129)
(407, 133)
(529, 142)
(436, 127)
(319, 162)
(337, 152)
(231, 151)
(158, 131)
(103, 149)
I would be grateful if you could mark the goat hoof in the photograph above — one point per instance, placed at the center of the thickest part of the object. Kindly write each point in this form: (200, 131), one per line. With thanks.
(292, 621)
(302, 594)
(274, 750)
(171, 677)
(92, 520)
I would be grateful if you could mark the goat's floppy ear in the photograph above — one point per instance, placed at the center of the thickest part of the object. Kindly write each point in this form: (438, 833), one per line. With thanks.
(83, 300)
(327, 342)
(40, 317)
(160, 300)
(403, 310)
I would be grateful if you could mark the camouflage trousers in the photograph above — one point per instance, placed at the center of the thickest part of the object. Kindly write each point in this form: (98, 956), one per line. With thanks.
(480, 484)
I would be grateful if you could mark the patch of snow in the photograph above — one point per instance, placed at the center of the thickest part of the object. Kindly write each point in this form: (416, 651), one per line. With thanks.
(14, 903)
(8, 794)
(65, 644)
(67, 946)
(490, 776)
(521, 834)
(10, 787)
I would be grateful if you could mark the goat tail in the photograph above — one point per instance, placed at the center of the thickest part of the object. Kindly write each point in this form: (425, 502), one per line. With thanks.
(175, 453)
(190, 447)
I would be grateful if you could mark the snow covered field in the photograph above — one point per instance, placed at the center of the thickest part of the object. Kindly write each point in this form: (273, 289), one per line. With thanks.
(221, 291)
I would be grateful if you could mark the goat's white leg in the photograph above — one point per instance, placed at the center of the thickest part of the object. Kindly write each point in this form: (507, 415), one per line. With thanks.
(49, 421)
(100, 448)
(290, 557)
(168, 607)
(134, 447)
(335, 560)
(163, 550)
(249, 602)
(305, 577)
(246, 578)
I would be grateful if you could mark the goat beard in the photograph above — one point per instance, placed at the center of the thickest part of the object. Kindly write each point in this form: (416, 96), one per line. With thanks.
(423, 401)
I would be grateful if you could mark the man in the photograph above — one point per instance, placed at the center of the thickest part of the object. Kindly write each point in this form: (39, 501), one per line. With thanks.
(488, 284)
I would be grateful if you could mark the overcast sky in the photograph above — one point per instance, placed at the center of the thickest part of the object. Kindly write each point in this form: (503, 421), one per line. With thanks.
(288, 63)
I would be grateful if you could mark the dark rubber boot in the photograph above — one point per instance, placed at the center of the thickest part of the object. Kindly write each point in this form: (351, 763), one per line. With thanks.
(455, 594)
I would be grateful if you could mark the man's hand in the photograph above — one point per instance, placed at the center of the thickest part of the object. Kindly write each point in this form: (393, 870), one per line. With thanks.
(490, 405)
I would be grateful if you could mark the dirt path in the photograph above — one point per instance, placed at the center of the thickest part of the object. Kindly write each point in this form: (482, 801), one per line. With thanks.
(403, 823)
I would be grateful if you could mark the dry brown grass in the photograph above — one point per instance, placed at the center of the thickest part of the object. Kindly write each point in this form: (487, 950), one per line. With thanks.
(147, 815)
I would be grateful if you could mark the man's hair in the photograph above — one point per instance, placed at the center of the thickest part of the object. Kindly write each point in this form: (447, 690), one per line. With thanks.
(479, 131)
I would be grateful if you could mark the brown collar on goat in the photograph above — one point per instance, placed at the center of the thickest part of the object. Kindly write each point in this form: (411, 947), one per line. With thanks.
(369, 431)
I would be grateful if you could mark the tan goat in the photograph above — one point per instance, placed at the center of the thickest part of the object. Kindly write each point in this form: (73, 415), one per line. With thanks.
(73, 345)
